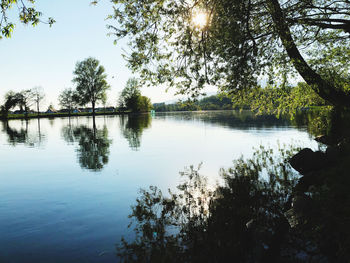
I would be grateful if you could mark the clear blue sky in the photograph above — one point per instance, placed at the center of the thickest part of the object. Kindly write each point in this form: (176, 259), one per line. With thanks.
(44, 56)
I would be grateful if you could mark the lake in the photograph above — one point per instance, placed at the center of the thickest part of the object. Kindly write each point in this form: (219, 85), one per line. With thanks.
(66, 185)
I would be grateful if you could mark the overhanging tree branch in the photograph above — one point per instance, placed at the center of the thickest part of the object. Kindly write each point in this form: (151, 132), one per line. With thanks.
(325, 89)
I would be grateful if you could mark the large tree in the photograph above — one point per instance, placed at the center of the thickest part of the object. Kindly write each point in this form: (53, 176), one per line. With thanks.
(27, 14)
(232, 43)
(90, 80)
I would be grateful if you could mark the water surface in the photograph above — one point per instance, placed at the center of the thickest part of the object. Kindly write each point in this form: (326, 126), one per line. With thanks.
(66, 185)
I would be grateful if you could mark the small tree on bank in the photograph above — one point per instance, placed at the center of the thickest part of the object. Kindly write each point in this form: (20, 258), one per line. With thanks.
(90, 79)
(38, 96)
(26, 100)
(131, 98)
(67, 99)
(130, 94)
(12, 99)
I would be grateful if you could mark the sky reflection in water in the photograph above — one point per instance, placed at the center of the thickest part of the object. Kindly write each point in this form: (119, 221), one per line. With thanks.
(67, 185)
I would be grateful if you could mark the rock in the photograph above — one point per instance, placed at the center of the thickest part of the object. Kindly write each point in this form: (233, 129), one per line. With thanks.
(333, 153)
(302, 204)
(307, 161)
(310, 179)
(324, 139)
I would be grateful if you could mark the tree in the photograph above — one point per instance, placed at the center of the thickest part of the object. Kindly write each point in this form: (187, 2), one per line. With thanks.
(67, 99)
(23, 99)
(26, 12)
(26, 100)
(231, 43)
(132, 99)
(12, 99)
(38, 96)
(91, 82)
(144, 104)
(129, 97)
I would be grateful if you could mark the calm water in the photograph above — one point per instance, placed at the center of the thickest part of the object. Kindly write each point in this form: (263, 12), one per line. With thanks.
(66, 187)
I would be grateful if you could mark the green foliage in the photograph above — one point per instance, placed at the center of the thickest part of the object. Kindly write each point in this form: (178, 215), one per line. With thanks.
(23, 99)
(278, 100)
(90, 80)
(214, 102)
(131, 98)
(27, 14)
(239, 42)
(144, 104)
(67, 99)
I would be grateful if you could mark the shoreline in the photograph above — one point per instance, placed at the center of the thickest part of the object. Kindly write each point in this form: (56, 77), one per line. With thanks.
(58, 115)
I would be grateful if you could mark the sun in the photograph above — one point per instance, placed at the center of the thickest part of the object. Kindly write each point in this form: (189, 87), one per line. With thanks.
(200, 19)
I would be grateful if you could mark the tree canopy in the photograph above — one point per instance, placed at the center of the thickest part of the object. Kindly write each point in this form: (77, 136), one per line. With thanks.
(67, 99)
(38, 96)
(233, 43)
(27, 14)
(131, 98)
(23, 99)
(90, 79)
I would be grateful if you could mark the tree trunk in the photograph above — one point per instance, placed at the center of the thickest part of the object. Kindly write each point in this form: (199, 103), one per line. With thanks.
(93, 108)
(26, 112)
(93, 115)
(324, 89)
(37, 107)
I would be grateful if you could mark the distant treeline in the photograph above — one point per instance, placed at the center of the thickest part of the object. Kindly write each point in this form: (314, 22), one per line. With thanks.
(214, 102)
(275, 100)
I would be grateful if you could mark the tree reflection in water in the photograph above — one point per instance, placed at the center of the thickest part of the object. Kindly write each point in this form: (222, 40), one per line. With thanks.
(132, 128)
(23, 135)
(257, 215)
(93, 145)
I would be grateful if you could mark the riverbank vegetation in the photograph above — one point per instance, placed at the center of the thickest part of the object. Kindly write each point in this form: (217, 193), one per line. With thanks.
(275, 100)
(214, 102)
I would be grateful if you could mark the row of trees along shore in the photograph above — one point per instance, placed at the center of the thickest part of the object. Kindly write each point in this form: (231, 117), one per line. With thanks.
(91, 88)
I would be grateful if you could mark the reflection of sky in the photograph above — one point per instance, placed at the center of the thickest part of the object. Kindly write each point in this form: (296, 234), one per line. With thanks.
(51, 208)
